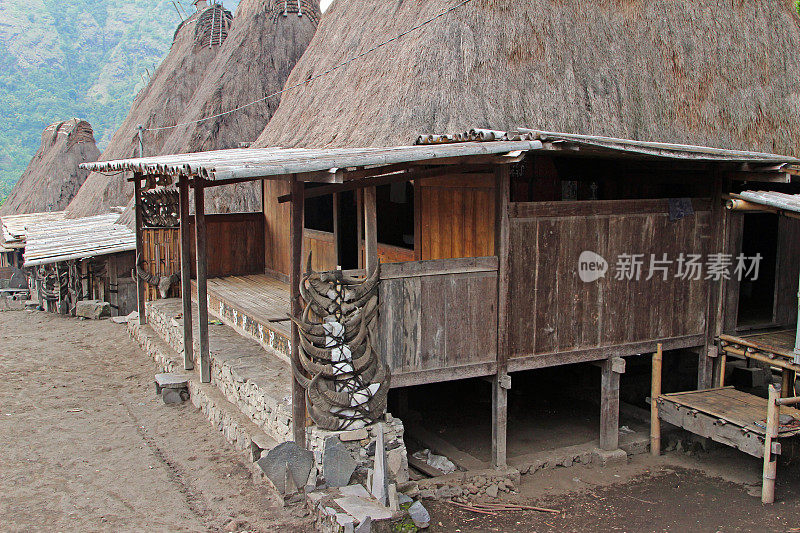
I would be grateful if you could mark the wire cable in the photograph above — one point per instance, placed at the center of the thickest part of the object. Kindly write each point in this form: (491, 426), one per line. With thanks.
(325, 73)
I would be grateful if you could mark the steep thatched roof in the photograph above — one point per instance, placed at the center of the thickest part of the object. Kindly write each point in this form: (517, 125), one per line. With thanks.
(163, 100)
(52, 178)
(705, 72)
(261, 47)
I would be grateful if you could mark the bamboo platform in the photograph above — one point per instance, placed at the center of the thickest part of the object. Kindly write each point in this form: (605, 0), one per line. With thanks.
(256, 305)
(727, 404)
(774, 347)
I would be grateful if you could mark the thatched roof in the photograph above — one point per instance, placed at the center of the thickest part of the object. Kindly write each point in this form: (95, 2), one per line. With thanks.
(162, 100)
(52, 178)
(254, 60)
(704, 72)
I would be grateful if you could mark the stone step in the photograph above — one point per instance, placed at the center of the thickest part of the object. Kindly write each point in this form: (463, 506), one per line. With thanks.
(258, 382)
(237, 429)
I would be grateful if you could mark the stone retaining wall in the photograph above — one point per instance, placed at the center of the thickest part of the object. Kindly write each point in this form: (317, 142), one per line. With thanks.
(247, 379)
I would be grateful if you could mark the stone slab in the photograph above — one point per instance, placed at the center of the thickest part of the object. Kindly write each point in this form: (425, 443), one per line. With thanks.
(172, 381)
(354, 490)
(361, 508)
(337, 463)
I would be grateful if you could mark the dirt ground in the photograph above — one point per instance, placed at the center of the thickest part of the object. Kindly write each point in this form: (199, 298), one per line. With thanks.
(87, 446)
(704, 491)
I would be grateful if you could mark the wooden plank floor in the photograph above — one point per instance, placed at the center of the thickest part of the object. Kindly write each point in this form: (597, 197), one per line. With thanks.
(258, 296)
(732, 405)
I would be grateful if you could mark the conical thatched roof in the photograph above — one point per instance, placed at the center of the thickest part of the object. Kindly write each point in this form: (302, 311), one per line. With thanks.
(703, 72)
(52, 178)
(162, 101)
(261, 48)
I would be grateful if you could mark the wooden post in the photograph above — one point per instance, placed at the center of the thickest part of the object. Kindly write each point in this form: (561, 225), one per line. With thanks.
(137, 209)
(788, 378)
(296, 242)
(186, 273)
(770, 459)
(706, 377)
(337, 252)
(370, 229)
(609, 402)
(202, 278)
(502, 381)
(722, 357)
(360, 229)
(655, 394)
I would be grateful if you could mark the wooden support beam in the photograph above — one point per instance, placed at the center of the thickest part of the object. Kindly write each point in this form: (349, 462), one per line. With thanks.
(296, 217)
(770, 469)
(609, 405)
(384, 176)
(360, 229)
(655, 393)
(186, 273)
(370, 229)
(499, 391)
(202, 279)
(706, 377)
(337, 252)
(137, 208)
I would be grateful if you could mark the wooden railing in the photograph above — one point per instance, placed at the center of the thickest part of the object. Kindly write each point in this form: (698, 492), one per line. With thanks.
(438, 319)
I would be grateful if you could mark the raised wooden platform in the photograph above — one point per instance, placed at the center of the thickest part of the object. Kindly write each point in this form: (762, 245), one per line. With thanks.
(256, 305)
(775, 348)
(724, 415)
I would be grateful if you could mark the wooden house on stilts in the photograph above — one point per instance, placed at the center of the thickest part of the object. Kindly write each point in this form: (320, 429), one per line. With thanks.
(501, 250)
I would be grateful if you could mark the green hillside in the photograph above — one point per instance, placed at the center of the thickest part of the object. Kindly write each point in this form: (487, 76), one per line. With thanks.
(83, 58)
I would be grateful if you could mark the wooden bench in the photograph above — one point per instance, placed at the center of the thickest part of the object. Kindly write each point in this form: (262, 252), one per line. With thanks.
(744, 421)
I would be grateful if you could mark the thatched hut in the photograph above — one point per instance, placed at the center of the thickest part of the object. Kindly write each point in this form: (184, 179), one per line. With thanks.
(710, 72)
(52, 178)
(162, 100)
(257, 55)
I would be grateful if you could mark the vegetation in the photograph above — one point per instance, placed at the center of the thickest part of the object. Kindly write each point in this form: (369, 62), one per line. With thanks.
(84, 58)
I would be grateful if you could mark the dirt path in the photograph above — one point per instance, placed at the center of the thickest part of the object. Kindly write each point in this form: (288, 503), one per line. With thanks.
(86, 444)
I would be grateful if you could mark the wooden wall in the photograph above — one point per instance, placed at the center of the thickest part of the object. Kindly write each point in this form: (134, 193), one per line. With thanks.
(455, 216)
(276, 227)
(438, 319)
(552, 311)
(235, 247)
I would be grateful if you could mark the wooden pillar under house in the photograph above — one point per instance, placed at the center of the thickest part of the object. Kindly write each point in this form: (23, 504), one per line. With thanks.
(202, 277)
(186, 272)
(502, 381)
(296, 217)
(611, 368)
(137, 209)
(708, 359)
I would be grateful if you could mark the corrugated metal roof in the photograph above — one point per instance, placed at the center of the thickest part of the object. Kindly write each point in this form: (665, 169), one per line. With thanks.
(15, 226)
(778, 200)
(551, 140)
(263, 162)
(79, 238)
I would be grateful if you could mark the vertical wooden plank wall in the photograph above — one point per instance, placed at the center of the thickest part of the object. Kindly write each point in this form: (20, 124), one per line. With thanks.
(276, 227)
(553, 311)
(455, 216)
